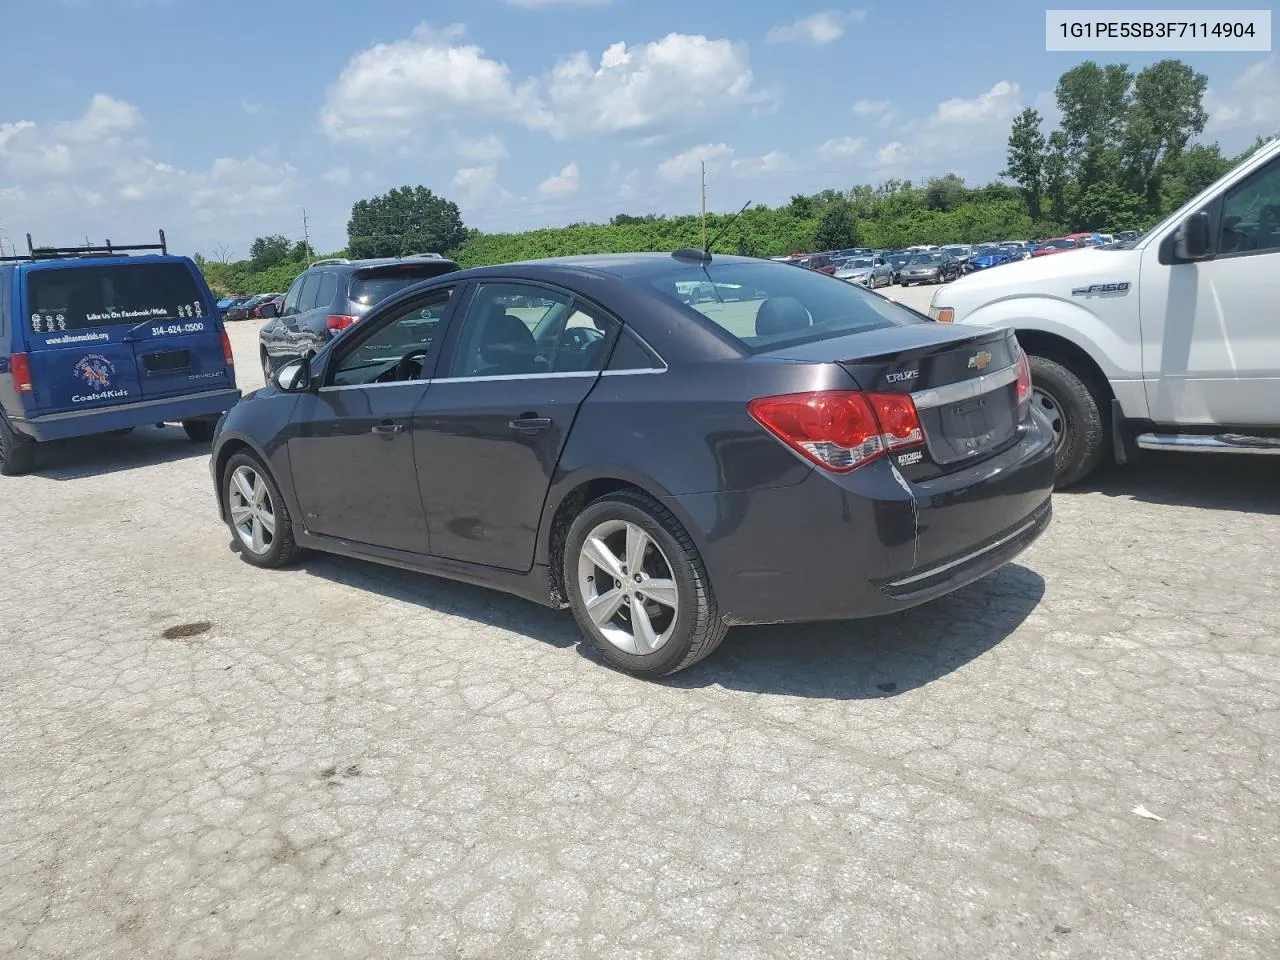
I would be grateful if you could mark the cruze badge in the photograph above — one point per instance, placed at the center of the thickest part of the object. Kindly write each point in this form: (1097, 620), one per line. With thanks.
(980, 361)
(900, 377)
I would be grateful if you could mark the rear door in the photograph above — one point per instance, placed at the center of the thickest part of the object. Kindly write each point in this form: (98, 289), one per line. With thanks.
(76, 349)
(489, 432)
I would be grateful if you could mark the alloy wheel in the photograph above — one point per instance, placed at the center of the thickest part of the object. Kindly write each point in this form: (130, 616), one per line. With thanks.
(252, 513)
(627, 587)
(1047, 404)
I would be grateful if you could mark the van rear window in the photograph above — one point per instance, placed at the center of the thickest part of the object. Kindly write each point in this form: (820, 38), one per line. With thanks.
(80, 298)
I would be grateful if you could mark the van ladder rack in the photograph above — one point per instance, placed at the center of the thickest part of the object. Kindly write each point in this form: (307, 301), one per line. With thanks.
(89, 250)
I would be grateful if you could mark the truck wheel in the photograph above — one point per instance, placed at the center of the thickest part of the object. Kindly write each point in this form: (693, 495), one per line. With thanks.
(1075, 411)
(17, 452)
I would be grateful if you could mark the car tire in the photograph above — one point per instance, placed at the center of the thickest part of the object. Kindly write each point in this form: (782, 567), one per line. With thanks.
(267, 368)
(685, 633)
(200, 431)
(270, 542)
(17, 451)
(1076, 408)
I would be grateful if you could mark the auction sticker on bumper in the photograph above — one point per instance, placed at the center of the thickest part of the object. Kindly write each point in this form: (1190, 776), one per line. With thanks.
(1158, 30)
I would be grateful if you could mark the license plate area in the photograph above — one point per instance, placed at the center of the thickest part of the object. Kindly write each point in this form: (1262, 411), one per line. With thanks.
(167, 361)
(969, 428)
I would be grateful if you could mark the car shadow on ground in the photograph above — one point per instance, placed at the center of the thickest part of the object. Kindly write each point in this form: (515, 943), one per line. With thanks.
(82, 457)
(1210, 482)
(860, 659)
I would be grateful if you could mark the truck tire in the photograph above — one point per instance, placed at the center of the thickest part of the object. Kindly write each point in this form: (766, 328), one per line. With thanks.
(1076, 410)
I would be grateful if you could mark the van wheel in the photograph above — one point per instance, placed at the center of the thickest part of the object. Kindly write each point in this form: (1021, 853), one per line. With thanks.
(638, 587)
(199, 431)
(17, 452)
(1075, 412)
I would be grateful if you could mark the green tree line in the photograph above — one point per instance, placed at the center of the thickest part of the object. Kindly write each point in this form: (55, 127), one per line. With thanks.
(1122, 156)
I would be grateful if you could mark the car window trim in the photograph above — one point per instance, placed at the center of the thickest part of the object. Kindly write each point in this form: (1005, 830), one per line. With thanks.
(369, 329)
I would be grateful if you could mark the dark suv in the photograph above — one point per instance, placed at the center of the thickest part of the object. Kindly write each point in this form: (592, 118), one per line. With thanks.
(333, 294)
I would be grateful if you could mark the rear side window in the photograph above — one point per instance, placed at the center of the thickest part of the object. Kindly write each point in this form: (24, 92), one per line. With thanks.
(377, 283)
(328, 287)
(79, 298)
(310, 287)
(765, 305)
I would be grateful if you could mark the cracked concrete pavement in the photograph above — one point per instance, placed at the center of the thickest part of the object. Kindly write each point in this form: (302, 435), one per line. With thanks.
(202, 759)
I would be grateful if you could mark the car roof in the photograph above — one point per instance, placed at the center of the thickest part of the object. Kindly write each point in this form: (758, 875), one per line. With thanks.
(119, 260)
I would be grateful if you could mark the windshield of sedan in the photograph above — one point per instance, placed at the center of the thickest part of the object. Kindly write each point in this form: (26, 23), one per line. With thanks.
(1058, 245)
(775, 305)
(925, 259)
(986, 251)
(857, 263)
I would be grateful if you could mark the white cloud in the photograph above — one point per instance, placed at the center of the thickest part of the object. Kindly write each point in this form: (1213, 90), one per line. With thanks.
(999, 104)
(892, 153)
(1252, 99)
(651, 89)
(817, 29)
(689, 163)
(338, 176)
(486, 149)
(773, 162)
(479, 185)
(563, 184)
(840, 148)
(106, 120)
(390, 90)
(881, 110)
(542, 4)
(251, 108)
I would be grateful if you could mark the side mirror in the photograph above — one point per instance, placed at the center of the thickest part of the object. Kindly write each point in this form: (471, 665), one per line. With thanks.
(1191, 242)
(294, 376)
(269, 310)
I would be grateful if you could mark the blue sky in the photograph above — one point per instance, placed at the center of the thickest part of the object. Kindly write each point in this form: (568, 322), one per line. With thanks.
(222, 120)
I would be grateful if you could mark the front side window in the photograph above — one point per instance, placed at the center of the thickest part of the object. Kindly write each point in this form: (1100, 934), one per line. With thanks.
(1251, 213)
(290, 305)
(126, 294)
(515, 329)
(310, 287)
(397, 351)
(774, 305)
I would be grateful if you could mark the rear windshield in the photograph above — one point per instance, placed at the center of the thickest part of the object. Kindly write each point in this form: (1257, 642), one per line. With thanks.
(370, 286)
(765, 305)
(79, 298)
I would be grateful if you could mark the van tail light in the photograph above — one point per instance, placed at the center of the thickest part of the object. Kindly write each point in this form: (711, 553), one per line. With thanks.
(337, 322)
(1024, 383)
(228, 357)
(20, 368)
(840, 430)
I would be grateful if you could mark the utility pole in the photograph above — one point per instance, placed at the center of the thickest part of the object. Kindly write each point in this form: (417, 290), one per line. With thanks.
(306, 235)
(704, 204)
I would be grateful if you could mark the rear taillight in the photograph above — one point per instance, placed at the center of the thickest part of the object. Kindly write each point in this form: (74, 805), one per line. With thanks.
(840, 430)
(228, 357)
(1024, 382)
(20, 368)
(338, 322)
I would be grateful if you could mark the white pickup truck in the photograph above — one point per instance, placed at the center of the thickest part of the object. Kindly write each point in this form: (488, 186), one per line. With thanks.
(1167, 342)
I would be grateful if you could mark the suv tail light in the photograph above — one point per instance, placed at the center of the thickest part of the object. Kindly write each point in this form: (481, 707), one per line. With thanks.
(1024, 383)
(20, 368)
(228, 357)
(338, 322)
(840, 430)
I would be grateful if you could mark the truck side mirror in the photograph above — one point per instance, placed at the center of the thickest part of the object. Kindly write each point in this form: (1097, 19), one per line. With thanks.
(1191, 242)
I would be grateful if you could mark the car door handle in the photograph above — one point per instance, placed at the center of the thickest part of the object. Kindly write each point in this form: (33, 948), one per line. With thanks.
(388, 429)
(531, 425)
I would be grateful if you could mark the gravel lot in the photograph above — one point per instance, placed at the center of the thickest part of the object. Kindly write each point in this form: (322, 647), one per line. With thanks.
(206, 760)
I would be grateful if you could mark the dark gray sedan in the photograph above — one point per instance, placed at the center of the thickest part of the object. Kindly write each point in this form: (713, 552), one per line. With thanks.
(584, 433)
(937, 267)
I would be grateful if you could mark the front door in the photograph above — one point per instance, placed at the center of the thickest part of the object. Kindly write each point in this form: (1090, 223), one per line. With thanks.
(489, 432)
(1211, 334)
(351, 451)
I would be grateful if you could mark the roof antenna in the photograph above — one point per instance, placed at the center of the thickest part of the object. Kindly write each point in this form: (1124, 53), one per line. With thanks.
(725, 229)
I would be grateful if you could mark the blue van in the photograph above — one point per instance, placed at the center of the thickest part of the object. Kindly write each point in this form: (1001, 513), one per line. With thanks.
(103, 339)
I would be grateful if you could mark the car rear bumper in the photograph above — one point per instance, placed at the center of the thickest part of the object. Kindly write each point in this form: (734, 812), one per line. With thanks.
(870, 542)
(83, 423)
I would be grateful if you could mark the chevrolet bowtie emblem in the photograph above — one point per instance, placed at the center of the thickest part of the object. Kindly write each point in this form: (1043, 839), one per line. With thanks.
(980, 361)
